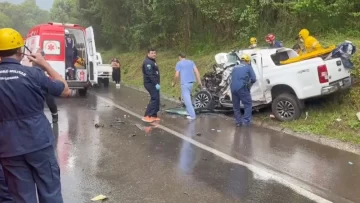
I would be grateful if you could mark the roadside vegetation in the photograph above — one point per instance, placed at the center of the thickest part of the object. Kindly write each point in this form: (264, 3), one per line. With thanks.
(202, 28)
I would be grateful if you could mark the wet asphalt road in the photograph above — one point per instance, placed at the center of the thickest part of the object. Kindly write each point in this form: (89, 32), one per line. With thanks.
(137, 162)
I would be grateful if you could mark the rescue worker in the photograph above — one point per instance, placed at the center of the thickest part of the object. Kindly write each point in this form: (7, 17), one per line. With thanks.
(271, 40)
(151, 77)
(253, 43)
(69, 53)
(187, 71)
(242, 78)
(26, 139)
(310, 43)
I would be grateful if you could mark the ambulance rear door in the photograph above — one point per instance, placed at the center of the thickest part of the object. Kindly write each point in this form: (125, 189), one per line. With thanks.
(91, 54)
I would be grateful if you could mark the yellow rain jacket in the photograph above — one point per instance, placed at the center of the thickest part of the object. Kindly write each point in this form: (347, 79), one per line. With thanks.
(310, 43)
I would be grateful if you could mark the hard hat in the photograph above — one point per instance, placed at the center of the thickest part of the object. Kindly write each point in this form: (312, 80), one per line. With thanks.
(270, 37)
(67, 32)
(245, 57)
(304, 33)
(10, 39)
(253, 40)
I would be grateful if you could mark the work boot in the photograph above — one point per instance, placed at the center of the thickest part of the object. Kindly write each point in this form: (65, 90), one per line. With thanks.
(54, 117)
(117, 85)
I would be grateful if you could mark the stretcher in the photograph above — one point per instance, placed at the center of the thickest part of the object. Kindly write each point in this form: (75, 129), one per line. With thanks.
(309, 55)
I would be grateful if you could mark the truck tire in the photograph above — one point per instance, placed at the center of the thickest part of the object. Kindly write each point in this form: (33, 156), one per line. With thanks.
(82, 92)
(106, 82)
(203, 101)
(285, 107)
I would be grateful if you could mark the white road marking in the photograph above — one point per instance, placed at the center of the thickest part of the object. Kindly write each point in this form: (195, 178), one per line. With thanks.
(255, 169)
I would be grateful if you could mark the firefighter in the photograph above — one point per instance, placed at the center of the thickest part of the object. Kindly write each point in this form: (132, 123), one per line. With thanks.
(253, 43)
(27, 153)
(151, 77)
(271, 40)
(242, 78)
(310, 43)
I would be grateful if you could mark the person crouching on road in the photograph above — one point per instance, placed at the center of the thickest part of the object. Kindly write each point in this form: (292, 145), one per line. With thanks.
(185, 69)
(242, 78)
(151, 77)
(27, 154)
(116, 74)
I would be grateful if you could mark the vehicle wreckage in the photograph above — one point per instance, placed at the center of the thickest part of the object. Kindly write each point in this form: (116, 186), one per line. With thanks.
(284, 87)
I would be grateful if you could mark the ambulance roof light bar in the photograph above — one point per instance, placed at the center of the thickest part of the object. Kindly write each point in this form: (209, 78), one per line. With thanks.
(63, 24)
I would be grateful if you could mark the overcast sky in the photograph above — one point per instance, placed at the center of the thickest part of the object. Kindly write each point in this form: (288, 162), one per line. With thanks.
(44, 4)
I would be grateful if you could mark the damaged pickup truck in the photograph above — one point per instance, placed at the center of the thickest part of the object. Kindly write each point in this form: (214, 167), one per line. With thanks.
(283, 87)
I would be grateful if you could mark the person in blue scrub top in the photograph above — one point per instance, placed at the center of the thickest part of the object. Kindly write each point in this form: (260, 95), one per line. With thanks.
(188, 73)
(27, 152)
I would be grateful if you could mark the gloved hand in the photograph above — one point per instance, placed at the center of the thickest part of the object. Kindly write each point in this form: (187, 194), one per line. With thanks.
(157, 86)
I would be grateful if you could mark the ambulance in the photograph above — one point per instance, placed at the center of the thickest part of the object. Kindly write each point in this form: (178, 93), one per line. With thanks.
(50, 38)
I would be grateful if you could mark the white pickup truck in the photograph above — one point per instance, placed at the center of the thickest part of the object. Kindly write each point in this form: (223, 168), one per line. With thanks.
(104, 71)
(284, 87)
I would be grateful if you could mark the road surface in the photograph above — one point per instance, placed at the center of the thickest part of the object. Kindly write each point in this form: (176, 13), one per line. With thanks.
(104, 148)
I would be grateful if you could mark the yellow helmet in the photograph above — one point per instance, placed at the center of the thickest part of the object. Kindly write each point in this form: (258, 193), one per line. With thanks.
(245, 57)
(253, 40)
(304, 33)
(10, 39)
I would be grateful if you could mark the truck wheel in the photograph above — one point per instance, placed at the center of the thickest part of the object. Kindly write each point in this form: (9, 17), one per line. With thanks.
(203, 100)
(106, 82)
(285, 107)
(82, 92)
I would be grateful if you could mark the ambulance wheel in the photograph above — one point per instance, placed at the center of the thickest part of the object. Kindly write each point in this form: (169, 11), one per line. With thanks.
(106, 82)
(83, 92)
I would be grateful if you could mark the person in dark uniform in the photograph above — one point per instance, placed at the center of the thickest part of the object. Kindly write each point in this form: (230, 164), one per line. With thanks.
(69, 54)
(27, 152)
(4, 191)
(152, 85)
(242, 78)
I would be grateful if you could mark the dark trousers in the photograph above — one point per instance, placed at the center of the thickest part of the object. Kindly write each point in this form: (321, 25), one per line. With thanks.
(50, 102)
(116, 75)
(4, 191)
(154, 103)
(24, 171)
(244, 96)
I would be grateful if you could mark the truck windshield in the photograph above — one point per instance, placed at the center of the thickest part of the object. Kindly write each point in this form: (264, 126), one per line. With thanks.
(232, 58)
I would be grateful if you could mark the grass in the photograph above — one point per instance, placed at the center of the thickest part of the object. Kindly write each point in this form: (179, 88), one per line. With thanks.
(333, 116)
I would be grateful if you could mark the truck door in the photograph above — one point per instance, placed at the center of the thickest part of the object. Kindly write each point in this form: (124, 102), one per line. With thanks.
(91, 54)
(258, 90)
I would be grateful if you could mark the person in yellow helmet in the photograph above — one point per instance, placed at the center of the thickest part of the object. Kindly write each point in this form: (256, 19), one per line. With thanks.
(242, 78)
(310, 43)
(27, 152)
(253, 43)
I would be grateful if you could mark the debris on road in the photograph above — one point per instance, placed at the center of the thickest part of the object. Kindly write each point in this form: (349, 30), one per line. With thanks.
(198, 134)
(350, 163)
(132, 135)
(98, 198)
(97, 125)
(218, 131)
(119, 121)
(272, 116)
